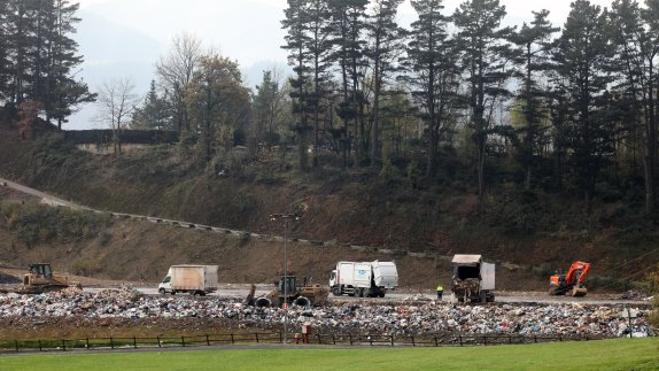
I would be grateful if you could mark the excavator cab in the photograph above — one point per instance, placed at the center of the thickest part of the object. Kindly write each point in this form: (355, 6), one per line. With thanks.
(41, 269)
(38, 274)
(288, 285)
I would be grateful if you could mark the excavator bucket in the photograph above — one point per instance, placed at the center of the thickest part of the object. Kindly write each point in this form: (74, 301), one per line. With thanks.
(579, 291)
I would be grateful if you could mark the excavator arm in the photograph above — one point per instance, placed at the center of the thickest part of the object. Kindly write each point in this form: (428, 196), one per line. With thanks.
(578, 273)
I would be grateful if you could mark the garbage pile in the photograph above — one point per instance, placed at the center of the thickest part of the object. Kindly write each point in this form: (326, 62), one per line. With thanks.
(402, 319)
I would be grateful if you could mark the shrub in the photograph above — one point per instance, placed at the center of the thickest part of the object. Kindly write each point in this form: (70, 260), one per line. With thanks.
(86, 267)
(653, 285)
(34, 223)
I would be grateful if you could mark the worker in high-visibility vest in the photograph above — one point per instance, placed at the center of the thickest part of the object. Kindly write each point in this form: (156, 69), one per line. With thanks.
(440, 292)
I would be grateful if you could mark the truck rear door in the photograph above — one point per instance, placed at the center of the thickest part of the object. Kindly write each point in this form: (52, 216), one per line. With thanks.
(385, 274)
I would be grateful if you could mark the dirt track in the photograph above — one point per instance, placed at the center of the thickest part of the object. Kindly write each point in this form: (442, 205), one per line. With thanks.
(238, 291)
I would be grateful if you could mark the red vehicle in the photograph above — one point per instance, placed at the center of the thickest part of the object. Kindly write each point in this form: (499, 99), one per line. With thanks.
(572, 282)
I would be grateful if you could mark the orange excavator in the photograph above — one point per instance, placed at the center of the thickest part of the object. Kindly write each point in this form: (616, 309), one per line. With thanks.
(572, 282)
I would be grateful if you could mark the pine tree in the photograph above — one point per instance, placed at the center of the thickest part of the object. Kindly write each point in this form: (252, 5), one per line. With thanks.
(18, 43)
(484, 56)
(383, 53)
(65, 91)
(582, 53)
(154, 114)
(533, 46)
(4, 49)
(432, 60)
(268, 104)
(632, 64)
(39, 54)
(348, 25)
(317, 18)
(296, 41)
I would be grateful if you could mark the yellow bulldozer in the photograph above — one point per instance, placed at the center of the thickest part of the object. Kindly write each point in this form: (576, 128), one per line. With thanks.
(287, 292)
(40, 279)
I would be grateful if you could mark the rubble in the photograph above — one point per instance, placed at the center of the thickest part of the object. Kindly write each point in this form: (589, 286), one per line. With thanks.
(405, 318)
(632, 295)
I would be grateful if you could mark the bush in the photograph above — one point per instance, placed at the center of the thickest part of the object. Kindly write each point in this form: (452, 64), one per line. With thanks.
(86, 267)
(104, 238)
(653, 285)
(34, 223)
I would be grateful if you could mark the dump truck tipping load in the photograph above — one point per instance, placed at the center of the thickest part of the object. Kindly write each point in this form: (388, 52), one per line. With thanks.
(194, 279)
(473, 279)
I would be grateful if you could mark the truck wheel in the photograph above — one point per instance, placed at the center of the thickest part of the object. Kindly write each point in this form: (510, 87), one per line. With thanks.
(161, 291)
(381, 295)
(336, 291)
(173, 292)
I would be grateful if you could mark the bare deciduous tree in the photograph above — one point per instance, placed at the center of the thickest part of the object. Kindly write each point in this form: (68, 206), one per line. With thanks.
(175, 72)
(117, 101)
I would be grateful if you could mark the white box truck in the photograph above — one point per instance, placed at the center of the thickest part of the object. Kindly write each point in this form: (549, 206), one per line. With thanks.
(473, 279)
(193, 279)
(363, 279)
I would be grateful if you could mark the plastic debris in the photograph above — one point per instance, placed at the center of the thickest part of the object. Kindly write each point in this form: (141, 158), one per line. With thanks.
(405, 318)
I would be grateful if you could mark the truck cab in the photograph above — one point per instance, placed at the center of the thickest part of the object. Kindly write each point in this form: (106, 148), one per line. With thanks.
(166, 285)
(332, 280)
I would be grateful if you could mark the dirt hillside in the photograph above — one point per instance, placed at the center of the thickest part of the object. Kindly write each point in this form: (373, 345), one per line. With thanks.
(545, 231)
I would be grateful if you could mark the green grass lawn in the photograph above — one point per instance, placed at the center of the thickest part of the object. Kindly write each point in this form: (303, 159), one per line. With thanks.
(594, 355)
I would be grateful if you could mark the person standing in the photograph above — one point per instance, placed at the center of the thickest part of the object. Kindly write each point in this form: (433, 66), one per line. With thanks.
(440, 292)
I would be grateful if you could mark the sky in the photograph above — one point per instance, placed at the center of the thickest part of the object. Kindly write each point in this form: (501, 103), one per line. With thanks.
(125, 38)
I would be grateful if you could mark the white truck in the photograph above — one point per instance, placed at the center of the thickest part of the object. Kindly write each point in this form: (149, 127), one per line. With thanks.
(193, 279)
(363, 279)
(473, 279)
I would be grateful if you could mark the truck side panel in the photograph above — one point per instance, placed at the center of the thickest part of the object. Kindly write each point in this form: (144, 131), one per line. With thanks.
(488, 272)
(187, 278)
(363, 275)
(345, 273)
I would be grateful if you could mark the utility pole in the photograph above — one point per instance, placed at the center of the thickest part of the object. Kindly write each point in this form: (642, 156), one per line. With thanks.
(286, 218)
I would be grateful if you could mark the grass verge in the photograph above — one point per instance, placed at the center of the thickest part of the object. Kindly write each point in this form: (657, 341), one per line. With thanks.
(622, 354)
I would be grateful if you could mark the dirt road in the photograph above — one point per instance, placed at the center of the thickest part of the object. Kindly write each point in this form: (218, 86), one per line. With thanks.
(240, 291)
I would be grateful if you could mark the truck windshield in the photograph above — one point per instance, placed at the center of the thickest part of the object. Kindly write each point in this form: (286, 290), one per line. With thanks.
(167, 279)
(289, 283)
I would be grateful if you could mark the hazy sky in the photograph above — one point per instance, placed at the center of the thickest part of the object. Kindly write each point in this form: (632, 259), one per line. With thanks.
(123, 38)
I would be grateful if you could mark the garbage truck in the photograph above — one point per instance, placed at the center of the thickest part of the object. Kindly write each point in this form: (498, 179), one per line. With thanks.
(193, 279)
(363, 279)
(473, 279)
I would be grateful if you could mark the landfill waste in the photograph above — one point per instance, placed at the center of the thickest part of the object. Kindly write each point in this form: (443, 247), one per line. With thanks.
(398, 319)
(632, 295)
